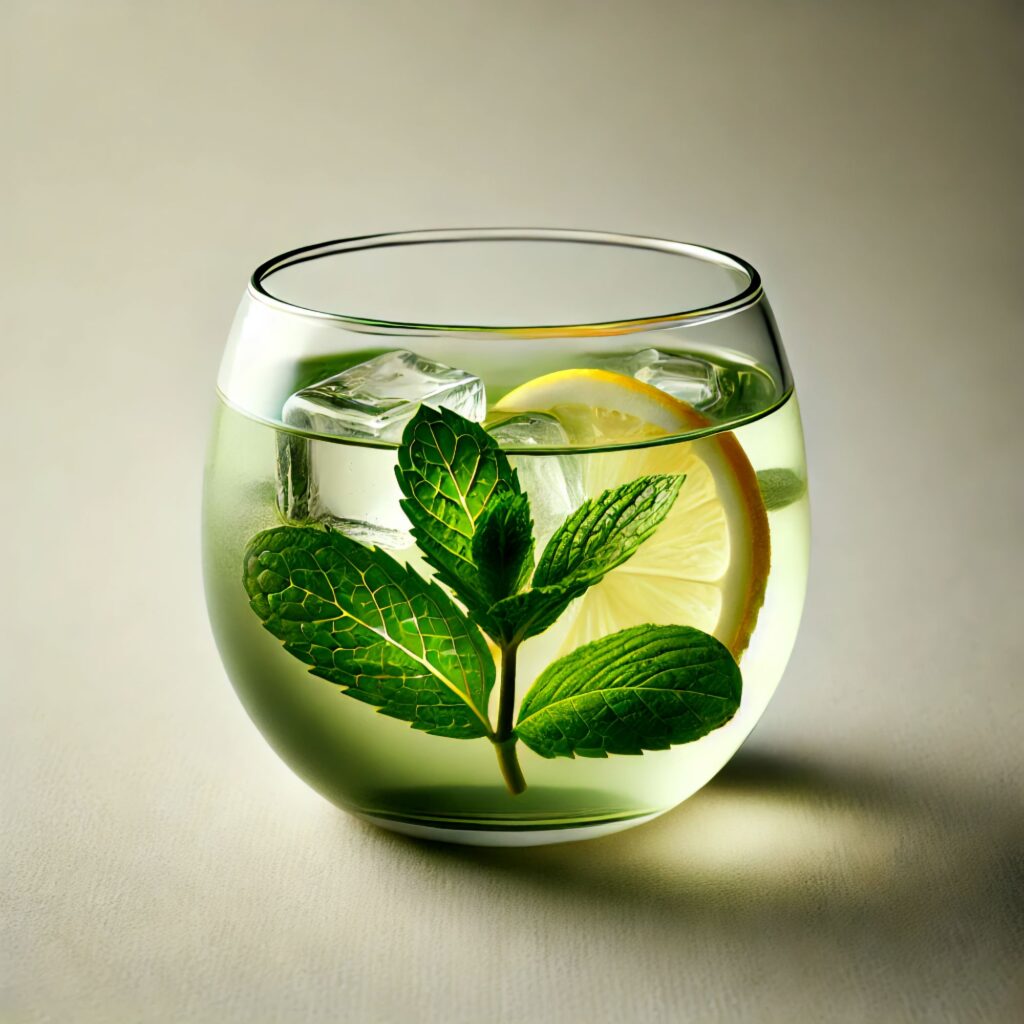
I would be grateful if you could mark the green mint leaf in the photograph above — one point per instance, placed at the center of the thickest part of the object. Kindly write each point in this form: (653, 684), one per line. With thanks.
(449, 469)
(644, 688)
(502, 546)
(780, 487)
(363, 621)
(521, 616)
(604, 531)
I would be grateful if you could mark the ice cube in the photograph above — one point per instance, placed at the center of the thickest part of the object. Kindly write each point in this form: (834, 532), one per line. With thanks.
(687, 377)
(296, 484)
(377, 398)
(319, 480)
(530, 430)
(349, 487)
(553, 483)
(358, 494)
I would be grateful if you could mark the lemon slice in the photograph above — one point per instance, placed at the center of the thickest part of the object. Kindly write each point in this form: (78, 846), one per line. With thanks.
(707, 564)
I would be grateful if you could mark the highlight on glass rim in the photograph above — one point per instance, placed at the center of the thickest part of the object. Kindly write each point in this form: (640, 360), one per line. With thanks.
(498, 548)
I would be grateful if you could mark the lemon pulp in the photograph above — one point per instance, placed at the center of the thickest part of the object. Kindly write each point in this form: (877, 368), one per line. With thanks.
(707, 564)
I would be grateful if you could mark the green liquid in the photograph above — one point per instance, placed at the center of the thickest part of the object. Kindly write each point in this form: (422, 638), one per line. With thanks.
(379, 766)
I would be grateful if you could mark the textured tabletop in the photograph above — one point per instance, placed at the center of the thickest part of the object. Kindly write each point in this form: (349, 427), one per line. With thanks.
(860, 859)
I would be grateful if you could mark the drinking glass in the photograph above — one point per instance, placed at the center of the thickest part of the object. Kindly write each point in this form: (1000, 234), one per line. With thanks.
(505, 531)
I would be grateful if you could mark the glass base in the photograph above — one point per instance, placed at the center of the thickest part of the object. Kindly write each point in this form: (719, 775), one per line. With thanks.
(464, 835)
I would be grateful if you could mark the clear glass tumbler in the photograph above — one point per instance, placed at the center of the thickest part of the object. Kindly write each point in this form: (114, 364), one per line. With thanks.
(505, 531)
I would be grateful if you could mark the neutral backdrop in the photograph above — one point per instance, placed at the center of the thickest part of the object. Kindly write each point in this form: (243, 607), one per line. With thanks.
(860, 860)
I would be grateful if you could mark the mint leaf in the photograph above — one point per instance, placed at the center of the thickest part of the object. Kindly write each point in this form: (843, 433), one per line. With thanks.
(363, 621)
(502, 546)
(449, 469)
(604, 531)
(780, 487)
(644, 688)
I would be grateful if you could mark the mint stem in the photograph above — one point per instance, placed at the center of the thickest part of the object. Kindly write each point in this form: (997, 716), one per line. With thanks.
(508, 762)
(505, 739)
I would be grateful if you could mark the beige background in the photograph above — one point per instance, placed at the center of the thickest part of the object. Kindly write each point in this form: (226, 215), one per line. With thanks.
(861, 859)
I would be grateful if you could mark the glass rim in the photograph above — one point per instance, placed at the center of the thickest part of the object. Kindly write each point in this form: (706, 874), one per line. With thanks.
(746, 297)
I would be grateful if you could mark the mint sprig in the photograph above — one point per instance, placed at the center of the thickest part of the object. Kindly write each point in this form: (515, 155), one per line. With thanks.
(365, 622)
